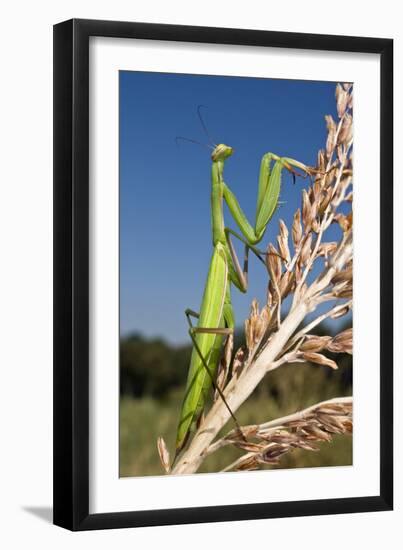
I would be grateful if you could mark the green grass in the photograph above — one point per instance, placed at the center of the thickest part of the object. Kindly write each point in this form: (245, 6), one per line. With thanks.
(287, 390)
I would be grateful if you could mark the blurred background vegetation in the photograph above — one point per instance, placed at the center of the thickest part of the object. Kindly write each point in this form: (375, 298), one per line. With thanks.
(152, 380)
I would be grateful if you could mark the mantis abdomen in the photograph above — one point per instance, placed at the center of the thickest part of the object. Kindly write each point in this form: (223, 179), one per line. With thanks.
(208, 343)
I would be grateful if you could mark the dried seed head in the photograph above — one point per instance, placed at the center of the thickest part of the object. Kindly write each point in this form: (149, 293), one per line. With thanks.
(343, 276)
(321, 161)
(258, 329)
(246, 432)
(344, 290)
(331, 136)
(311, 194)
(255, 325)
(315, 343)
(348, 425)
(340, 192)
(248, 446)
(270, 297)
(345, 222)
(306, 210)
(265, 315)
(315, 226)
(350, 101)
(283, 248)
(287, 283)
(238, 361)
(329, 177)
(282, 437)
(303, 444)
(320, 359)
(163, 454)
(282, 240)
(317, 433)
(346, 132)
(341, 153)
(249, 334)
(296, 423)
(248, 463)
(272, 453)
(330, 124)
(314, 212)
(316, 190)
(283, 230)
(333, 409)
(228, 349)
(326, 249)
(331, 423)
(221, 377)
(272, 293)
(298, 271)
(308, 427)
(297, 228)
(327, 197)
(306, 250)
(340, 312)
(273, 262)
(342, 343)
(341, 100)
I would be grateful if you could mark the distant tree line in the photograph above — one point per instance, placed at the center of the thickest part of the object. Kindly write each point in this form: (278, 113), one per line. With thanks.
(153, 367)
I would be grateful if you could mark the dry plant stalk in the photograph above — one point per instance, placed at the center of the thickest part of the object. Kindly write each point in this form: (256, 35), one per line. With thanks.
(272, 339)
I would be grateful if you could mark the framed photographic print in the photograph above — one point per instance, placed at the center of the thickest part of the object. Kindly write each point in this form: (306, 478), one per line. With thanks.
(222, 351)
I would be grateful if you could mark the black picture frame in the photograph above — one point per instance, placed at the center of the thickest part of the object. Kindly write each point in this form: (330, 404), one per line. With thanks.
(71, 274)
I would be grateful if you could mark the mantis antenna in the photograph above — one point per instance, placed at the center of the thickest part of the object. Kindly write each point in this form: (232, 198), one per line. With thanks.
(193, 141)
(204, 125)
(210, 145)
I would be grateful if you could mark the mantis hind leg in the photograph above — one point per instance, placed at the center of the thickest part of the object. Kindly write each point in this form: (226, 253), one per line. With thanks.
(228, 331)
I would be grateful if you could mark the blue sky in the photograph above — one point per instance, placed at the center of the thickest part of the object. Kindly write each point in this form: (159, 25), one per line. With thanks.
(165, 231)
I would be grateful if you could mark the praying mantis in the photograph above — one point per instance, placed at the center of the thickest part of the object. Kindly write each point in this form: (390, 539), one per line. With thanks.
(216, 317)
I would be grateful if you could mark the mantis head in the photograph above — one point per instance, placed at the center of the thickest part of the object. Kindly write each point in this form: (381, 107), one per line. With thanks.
(221, 152)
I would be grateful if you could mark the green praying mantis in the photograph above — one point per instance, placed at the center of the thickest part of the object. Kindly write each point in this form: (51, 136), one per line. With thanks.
(215, 321)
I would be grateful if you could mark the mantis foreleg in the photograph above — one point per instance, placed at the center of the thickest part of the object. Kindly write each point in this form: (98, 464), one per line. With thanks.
(268, 196)
(238, 276)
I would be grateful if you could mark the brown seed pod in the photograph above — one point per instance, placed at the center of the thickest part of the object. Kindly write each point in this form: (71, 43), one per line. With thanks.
(297, 228)
(320, 359)
(342, 343)
(314, 343)
(163, 454)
